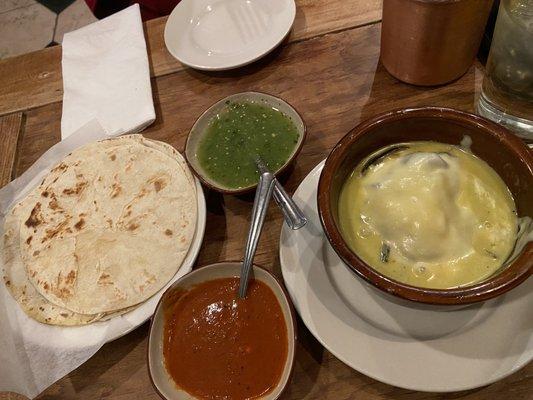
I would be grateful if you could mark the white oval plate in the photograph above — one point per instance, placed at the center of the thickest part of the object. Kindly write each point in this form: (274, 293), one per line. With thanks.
(224, 34)
(390, 342)
(143, 312)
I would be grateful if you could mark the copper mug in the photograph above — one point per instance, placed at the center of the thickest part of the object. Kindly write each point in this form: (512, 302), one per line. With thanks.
(431, 42)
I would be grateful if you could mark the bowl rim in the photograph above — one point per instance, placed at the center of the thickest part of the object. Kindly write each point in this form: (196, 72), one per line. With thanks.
(280, 171)
(519, 270)
(292, 313)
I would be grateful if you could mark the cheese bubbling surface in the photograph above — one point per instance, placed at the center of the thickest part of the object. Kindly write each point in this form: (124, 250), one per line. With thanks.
(429, 215)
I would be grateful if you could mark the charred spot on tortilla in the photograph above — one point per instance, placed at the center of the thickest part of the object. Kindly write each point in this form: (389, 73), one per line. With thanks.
(78, 225)
(159, 184)
(103, 279)
(53, 205)
(75, 190)
(70, 278)
(132, 226)
(35, 217)
(116, 190)
(142, 193)
(60, 167)
(51, 233)
(62, 293)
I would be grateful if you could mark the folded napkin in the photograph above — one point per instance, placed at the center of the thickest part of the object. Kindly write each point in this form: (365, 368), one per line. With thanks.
(106, 76)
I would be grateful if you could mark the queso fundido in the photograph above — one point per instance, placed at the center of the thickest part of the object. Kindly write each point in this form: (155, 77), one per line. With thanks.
(429, 215)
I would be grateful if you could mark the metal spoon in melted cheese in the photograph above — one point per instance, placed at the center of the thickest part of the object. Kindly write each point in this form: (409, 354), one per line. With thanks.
(429, 215)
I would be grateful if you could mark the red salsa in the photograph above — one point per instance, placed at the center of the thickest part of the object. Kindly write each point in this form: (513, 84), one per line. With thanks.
(218, 346)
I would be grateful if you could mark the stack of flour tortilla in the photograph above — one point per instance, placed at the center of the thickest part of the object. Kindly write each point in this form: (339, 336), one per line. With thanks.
(107, 228)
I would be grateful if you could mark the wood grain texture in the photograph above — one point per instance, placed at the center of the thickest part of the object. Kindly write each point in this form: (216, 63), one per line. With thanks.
(313, 18)
(34, 79)
(116, 372)
(335, 81)
(10, 126)
(30, 80)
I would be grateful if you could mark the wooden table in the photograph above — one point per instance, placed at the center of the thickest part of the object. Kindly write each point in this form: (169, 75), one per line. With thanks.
(329, 70)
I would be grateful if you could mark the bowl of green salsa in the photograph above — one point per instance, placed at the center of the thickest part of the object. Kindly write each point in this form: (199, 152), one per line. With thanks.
(228, 137)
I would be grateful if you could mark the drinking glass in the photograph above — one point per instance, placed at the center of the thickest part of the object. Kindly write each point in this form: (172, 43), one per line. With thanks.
(507, 92)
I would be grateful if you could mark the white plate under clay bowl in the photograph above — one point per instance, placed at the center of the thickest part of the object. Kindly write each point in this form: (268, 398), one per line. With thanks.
(224, 34)
(416, 348)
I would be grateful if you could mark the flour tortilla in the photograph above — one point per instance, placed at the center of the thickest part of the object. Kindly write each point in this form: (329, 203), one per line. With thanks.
(172, 153)
(16, 280)
(30, 300)
(110, 225)
(117, 313)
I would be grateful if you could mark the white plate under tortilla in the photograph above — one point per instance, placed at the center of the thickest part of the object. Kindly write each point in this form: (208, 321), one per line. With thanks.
(414, 348)
(224, 34)
(143, 312)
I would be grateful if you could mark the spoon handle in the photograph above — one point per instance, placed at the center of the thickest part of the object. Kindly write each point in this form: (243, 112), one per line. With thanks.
(263, 194)
(294, 216)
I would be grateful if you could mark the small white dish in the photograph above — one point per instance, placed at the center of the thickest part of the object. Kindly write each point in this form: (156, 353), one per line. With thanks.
(401, 344)
(223, 34)
(162, 381)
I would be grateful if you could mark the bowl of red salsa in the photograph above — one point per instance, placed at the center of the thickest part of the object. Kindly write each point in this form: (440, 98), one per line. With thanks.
(207, 343)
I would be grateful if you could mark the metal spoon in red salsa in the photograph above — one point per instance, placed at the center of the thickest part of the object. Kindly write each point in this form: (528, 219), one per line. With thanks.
(217, 345)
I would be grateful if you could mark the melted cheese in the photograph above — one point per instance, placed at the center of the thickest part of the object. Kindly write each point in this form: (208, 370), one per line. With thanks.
(429, 215)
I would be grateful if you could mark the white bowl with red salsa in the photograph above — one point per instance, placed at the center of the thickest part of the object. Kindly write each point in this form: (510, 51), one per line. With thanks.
(207, 343)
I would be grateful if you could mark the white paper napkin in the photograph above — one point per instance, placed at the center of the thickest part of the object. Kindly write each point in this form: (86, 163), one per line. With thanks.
(106, 75)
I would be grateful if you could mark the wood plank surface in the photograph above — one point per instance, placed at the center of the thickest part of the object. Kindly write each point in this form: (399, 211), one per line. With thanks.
(10, 127)
(313, 18)
(335, 81)
(34, 79)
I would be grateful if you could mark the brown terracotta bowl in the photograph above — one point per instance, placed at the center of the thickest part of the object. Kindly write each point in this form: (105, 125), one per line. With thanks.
(199, 129)
(503, 151)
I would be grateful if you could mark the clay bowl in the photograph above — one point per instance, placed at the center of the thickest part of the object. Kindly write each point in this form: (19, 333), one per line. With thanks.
(503, 151)
(162, 381)
(199, 129)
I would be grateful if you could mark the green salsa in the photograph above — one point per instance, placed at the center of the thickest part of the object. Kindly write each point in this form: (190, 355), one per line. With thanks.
(240, 133)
